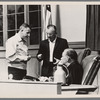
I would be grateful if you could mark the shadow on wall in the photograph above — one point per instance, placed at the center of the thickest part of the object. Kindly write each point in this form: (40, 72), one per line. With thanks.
(58, 21)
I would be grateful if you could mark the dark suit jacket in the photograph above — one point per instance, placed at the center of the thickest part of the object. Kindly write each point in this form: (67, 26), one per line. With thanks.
(75, 73)
(60, 45)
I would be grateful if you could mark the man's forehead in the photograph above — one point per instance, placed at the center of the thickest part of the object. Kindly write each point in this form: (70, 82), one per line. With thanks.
(27, 29)
(65, 53)
(51, 29)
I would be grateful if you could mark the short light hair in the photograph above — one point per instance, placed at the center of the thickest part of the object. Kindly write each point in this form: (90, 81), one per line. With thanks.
(25, 25)
(71, 53)
(50, 25)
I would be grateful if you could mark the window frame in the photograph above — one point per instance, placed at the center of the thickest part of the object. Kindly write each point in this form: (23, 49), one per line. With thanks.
(26, 20)
(36, 46)
(2, 27)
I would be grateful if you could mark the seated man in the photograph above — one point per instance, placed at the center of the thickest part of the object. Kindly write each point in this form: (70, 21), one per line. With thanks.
(69, 58)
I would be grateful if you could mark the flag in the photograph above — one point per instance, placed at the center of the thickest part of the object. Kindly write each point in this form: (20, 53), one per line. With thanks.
(48, 15)
(46, 19)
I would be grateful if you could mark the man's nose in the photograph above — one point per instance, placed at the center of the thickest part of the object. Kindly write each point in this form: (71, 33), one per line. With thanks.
(49, 35)
(28, 35)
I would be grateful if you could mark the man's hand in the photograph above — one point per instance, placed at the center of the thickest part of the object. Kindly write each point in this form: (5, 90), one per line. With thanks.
(23, 58)
(56, 61)
(29, 57)
(39, 56)
(63, 60)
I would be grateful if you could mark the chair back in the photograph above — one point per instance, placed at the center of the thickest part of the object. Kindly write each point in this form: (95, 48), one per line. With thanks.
(83, 53)
(91, 65)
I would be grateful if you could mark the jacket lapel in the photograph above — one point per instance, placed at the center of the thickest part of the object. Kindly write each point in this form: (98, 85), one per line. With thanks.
(48, 49)
(56, 44)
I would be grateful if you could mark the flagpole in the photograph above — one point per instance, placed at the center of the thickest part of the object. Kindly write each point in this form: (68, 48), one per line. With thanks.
(46, 19)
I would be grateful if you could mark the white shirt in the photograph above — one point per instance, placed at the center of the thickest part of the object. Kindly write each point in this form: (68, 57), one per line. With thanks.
(16, 52)
(51, 46)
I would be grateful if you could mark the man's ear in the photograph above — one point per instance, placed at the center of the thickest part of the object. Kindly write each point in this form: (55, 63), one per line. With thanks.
(21, 30)
(69, 59)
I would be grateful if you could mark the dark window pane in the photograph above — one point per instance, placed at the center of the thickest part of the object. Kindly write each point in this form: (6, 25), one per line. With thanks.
(20, 20)
(1, 38)
(11, 22)
(39, 18)
(39, 7)
(1, 23)
(1, 10)
(33, 19)
(20, 8)
(11, 33)
(10, 9)
(17, 31)
(35, 36)
(33, 7)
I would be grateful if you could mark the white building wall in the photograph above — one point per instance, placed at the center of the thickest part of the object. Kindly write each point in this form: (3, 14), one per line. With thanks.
(73, 22)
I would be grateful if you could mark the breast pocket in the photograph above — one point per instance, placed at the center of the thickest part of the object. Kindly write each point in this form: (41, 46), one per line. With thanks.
(22, 49)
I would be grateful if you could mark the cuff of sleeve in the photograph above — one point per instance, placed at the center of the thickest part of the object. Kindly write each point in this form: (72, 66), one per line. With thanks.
(22, 58)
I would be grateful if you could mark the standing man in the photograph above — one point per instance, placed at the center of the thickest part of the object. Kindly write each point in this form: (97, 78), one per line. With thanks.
(50, 50)
(17, 53)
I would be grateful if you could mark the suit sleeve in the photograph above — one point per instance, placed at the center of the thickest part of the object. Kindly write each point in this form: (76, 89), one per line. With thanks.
(66, 44)
(40, 51)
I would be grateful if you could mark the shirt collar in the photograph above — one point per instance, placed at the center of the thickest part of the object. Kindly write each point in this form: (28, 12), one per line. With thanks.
(53, 40)
(19, 38)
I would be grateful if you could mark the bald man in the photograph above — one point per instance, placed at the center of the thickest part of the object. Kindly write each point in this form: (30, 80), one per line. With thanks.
(50, 50)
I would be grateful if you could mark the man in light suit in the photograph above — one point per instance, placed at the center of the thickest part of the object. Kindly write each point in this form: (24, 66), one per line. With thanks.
(50, 50)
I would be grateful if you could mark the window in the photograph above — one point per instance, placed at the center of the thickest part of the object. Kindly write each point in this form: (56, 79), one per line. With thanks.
(15, 17)
(35, 23)
(12, 16)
